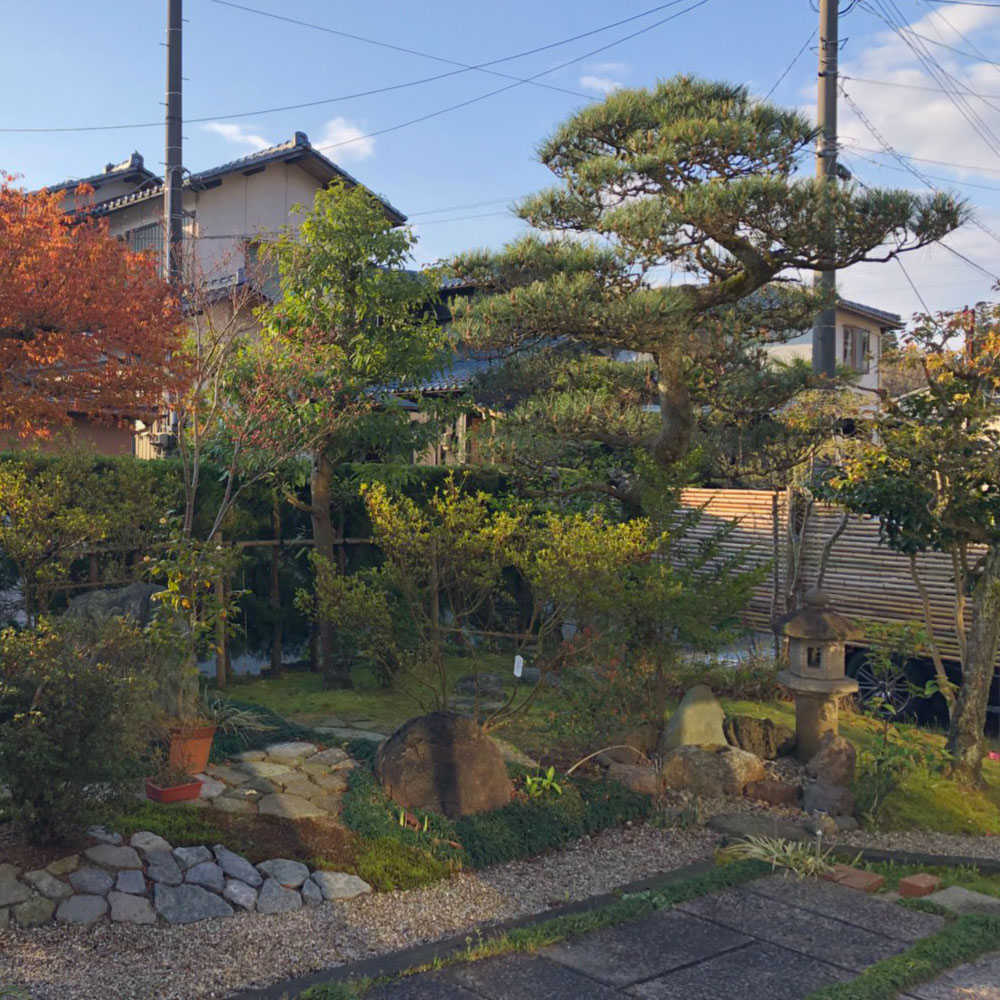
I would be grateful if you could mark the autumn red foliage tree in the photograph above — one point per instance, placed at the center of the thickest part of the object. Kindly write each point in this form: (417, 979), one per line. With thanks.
(86, 324)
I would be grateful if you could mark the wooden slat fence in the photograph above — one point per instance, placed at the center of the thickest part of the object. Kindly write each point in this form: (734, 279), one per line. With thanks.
(864, 577)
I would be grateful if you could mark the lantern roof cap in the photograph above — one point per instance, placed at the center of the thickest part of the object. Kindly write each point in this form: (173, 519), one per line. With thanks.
(816, 620)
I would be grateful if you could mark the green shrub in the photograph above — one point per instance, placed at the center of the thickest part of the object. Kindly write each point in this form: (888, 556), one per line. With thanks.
(390, 864)
(228, 744)
(74, 721)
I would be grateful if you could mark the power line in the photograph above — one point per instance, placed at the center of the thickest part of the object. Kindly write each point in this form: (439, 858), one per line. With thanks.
(511, 86)
(470, 204)
(918, 86)
(788, 68)
(462, 218)
(924, 159)
(937, 177)
(968, 3)
(371, 92)
(916, 291)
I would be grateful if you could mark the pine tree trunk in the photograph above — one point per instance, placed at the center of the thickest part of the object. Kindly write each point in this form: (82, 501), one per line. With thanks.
(336, 673)
(965, 736)
(676, 412)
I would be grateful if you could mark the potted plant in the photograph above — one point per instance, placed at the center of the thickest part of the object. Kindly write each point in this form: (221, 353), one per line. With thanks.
(172, 784)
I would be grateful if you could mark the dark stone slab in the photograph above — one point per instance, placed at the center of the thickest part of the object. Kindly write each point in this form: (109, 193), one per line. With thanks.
(757, 971)
(792, 927)
(849, 905)
(527, 977)
(632, 952)
(979, 980)
(428, 986)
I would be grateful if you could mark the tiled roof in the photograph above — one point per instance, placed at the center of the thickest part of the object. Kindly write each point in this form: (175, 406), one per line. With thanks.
(295, 148)
(888, 319)
(113, 171)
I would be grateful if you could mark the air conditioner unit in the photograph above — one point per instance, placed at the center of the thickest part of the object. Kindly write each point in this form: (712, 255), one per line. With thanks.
(162, 442)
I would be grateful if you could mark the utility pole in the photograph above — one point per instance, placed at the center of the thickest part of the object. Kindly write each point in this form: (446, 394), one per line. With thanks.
(824, 354)
(173, 190)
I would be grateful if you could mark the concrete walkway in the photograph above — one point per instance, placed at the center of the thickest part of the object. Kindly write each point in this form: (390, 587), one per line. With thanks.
(775, 938)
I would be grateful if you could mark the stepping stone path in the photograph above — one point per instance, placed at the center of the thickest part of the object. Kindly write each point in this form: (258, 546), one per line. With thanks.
(293, 780)
(147, 881)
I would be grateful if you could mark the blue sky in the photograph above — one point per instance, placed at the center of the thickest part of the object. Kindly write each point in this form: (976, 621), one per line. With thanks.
(68, 64)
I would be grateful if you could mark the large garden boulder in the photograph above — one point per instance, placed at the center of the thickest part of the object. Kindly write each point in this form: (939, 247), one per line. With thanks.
(763, 737)
(718, 770)
(696, 722)
(133, 601)
(835, 761)
(443, 762)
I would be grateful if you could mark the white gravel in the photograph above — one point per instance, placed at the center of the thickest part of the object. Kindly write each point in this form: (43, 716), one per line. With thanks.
(218, 957)
(923, 842)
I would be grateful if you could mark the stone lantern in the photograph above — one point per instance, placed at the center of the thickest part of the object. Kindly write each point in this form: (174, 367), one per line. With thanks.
(816, 638)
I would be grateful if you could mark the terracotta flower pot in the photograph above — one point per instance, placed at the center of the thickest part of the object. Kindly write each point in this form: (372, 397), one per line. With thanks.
(190, 747)
(175, 793)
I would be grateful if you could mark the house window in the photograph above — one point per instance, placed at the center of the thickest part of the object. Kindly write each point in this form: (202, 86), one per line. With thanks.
(856, 349)
(146, 238)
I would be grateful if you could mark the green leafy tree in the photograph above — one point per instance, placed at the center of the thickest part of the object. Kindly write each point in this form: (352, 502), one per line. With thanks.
(932, 478)
(357, 325)
(676, 224)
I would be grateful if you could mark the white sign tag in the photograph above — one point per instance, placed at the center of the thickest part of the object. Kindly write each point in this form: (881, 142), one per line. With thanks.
(518, 665)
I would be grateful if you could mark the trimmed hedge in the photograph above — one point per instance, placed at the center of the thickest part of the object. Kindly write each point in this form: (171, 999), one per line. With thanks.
(518, 830)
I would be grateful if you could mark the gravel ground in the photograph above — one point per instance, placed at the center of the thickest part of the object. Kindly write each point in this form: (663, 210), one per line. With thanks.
(217, 957)
(923, 842)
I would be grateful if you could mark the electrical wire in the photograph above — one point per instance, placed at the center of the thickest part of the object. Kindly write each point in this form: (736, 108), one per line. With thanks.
(919, 86)
(510, 86)
(788, 68)
(936, 177)
(363, 93)
(470, 204)
(924, 159)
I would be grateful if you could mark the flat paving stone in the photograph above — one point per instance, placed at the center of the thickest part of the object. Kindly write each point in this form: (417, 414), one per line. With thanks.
(646, 948)
(230, 805)
(816, 935)
(325, 758)
(757, 971)
(429, 986)
(963, 901)
(979, 980)
(345, 733)
(262, 769)
(849, 905)
(527, 977)
(293, 750)
(288, 807)
(228, 775)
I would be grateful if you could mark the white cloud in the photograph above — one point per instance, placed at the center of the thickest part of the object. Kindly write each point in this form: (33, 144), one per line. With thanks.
(237, 134)
(348, 140)
(603, 84)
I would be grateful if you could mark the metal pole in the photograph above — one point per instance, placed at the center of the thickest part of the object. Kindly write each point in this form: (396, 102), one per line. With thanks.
(173, 198)
(824, 354)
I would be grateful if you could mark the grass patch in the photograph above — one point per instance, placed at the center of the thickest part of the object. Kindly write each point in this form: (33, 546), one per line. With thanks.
(968, 877)
(961, 941)
(529, 939)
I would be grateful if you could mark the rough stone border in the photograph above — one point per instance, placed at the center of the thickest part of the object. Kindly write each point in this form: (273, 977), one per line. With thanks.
(877, 854)
(397, 962)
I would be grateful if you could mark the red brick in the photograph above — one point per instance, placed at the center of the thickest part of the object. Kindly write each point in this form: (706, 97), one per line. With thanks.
(918, 885)
(855, 878)
(837, 872)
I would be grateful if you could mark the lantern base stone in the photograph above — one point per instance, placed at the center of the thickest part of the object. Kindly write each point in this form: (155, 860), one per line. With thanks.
(815, 709)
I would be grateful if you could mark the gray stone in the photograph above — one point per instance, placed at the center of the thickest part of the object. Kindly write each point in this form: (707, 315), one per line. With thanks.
(240, 894)
(527, 977)
(4, 918)
(763, 737)
(187, 857)
(329, 802)
(250, 755)
(964, 901)
(145, 841)
(82, 910)
(846, 824)
(335, 755)
(746, 824)
(819, 935)
(820, 824)
(873, 913)
(163, 867)
(225, 803)
(187, 903)
(312, 895)
(834, 763)
(294, 750)
(620, 956)
(349, 733)
(114, 858)
(228, 775)
(33, 912)
(335, 782)
(47, 884)
(275, 898)
(207, 874)
(91, 881)
(290, 874)
(210, 787)
(236, 866)
(64, 865)
(134, 601)
(760, 971)
(711, 771)
(131, 882)
(488, 685)
(262, 769)
(976, 980)
(288, 806)
(104, 836)
(127, 908)
(697, 721)
(8, 871)
(12, 891)
(340, 885)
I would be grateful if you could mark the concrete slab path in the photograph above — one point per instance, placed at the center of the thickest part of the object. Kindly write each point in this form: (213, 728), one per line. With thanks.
(775, 938)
